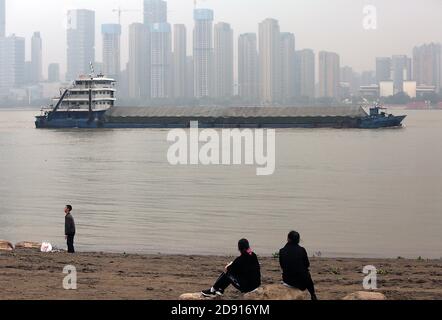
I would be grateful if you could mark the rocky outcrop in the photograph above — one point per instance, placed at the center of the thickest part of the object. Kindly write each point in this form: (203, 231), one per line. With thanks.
(365, 295)
(6, 246)
(28, 245)
(196, 296)
(277, 292)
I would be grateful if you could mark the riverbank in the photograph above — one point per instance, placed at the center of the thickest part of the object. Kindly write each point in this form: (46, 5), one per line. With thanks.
(27, 274)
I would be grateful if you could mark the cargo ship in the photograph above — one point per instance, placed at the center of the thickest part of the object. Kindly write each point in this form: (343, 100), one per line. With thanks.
(90, 103)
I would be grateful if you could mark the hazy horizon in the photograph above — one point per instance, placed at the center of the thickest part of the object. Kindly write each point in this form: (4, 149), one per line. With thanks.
(317, 24)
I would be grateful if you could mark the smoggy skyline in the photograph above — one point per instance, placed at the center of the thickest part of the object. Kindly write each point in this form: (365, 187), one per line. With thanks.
(317, 24)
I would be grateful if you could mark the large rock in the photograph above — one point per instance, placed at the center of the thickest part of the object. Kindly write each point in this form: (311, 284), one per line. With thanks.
(196, 296)
(6, 246)
(28, 245)
(277, 292)
(365, 295)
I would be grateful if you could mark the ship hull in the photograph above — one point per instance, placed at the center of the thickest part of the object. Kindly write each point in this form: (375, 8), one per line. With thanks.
(137, 118)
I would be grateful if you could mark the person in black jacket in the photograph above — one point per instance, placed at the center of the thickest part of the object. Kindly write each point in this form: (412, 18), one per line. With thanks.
(69, 228)
(244, 273)
(295, 265)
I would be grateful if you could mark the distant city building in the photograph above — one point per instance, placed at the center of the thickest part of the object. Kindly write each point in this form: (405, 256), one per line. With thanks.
(111, 34)
(2, 18)
(383, 69)
(28, 73)
(288, 67)
(161, 55)
(12, 62)
(367, 78)
(189, 77)
(347, 82)
(427, 65)
(305, 61)
(80, 42)
(54, 72)
(36, 58)
(203, 52)
(386, 88)
(138, 66)
(329, 72)
(248, 67)
(270, 61)
(155, 11)
(410, 88)
(180, 61)
(401, 71)
(223, 59)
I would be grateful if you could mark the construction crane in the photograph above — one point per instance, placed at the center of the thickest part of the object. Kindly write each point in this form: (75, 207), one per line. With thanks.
(120, 11)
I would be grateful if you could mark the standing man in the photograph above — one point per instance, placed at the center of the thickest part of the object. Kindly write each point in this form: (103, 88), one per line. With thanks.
(69, 228)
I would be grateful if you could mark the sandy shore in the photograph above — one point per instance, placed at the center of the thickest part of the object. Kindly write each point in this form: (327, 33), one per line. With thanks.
(32, 275)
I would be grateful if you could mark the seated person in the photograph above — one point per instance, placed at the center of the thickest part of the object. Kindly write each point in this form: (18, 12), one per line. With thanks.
(295, 265)
(244, 273)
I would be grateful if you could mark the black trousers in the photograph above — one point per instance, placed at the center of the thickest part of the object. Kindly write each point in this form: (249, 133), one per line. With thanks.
(70, 243)
(226, 280)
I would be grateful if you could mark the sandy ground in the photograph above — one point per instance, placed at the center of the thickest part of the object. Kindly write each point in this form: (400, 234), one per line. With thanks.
(31, 275)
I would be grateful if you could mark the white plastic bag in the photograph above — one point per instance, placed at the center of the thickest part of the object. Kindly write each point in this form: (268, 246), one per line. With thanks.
(46, 247)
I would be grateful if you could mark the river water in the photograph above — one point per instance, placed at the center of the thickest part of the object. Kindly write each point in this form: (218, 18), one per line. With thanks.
(350, 193)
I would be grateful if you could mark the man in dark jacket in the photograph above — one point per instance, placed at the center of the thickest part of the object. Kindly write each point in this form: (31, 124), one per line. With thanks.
(244, 273)
(69, 228)
(295, 265)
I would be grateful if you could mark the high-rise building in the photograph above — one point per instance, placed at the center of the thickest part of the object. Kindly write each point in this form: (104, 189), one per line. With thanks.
(155, 11)
(36, 58)
(161, 55)
(189, 77)
(203, 52)
(12, 62)
(80, 42)
(54, 72)
(2, 18)
(288, 67)
(305, 60)
(427, 65)
(270, 61)
(401, 71)
(223, 58)
(111, 34)
(383, 69)
(138, 75)
(248, 67)
(179, 61)
(329, 72)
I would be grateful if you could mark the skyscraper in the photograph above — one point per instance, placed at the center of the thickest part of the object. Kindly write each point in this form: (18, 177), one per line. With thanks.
(288, 69)
(138, 75)
(190, 83)
(179, 61)
(111, 34)
(306, 70)
(36, 58)
(203, 52)
(329, 70)
(248, 67)
(223, 58)
(383, 69)
(2, 18)
(270, 61)
(427, 65)
(12, 62)
(54, 72)
(155, 11)
(401, 67)
(161, 55)
(80, 42)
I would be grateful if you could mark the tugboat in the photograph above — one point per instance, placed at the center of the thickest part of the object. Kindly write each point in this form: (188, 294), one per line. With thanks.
(380, 119)
(82, 105)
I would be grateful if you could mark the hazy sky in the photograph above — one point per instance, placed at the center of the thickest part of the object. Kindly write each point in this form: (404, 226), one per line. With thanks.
(333, 25)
